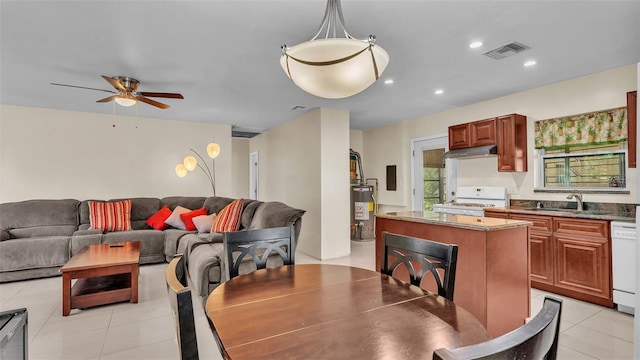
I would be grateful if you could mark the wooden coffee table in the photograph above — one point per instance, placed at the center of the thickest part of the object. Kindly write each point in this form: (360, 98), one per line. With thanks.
(105, 274)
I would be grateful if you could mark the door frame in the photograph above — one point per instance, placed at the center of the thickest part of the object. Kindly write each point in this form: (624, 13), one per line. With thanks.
(451, 167)
(253, 175)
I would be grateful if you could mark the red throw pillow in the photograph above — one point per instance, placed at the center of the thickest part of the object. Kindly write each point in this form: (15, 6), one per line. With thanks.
(157, 220)
(187, 218)
(228, 219)
(110, 216)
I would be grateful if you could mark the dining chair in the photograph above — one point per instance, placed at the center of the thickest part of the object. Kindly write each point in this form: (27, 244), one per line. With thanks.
(431, 256)
(259, 245)
(182, 307)
(537, 339)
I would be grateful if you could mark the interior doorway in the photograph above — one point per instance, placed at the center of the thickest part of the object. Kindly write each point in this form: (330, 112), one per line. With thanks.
(432, 177)
(253, 175)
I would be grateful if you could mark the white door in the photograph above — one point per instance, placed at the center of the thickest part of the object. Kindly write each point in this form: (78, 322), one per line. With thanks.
(253, 175)
(438, 181)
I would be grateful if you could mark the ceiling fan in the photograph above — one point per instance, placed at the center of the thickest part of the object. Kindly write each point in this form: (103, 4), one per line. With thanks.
(128, 94)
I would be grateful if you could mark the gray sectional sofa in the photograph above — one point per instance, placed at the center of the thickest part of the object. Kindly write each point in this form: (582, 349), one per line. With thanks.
(37, 237)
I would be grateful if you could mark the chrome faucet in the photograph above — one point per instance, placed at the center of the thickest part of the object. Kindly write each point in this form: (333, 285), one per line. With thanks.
(578, 196)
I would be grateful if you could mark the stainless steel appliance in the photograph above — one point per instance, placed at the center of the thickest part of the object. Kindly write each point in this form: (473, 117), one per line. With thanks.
(623, 248)
(471, 200)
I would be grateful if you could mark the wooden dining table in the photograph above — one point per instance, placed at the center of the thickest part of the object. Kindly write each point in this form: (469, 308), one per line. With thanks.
(319, 311)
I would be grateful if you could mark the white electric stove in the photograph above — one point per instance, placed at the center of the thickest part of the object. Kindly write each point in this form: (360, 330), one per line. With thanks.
(471, 200)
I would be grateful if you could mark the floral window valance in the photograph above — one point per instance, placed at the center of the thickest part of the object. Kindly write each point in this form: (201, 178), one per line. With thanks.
(595, 128)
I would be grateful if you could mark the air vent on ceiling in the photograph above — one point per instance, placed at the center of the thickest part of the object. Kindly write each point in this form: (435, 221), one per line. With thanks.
(240, 132)
(243, 134)
(507, 50)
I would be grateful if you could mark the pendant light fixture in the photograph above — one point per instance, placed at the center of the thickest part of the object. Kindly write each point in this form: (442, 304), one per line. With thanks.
(332, 67)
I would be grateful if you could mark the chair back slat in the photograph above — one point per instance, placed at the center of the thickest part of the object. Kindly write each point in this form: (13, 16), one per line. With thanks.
(258, 245)
(537, 339)
(182, 308)
(430, 255)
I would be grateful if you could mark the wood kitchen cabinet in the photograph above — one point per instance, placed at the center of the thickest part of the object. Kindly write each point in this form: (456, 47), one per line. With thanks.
(568, 256)
(512, 143)
(477, 133)
(541, 254)
(459, 137)
(583, 258)
(508, 132)
(632, 114)
(483, 132)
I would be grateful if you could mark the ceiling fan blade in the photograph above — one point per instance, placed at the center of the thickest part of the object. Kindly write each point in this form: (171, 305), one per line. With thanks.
(83, 87)
(162, 95)
(107, 99)
(114, 83)
(152, 102)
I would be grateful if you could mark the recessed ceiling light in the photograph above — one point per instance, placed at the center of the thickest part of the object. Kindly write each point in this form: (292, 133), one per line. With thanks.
(389, 81)
(438, 92)
(476, 44)
(530, 63)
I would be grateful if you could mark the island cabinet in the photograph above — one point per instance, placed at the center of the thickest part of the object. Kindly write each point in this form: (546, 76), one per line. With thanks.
(492, 276)
(569, 256)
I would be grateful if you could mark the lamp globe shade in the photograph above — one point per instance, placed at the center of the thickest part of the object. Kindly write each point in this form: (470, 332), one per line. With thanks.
(213, 150)
(190, 163)
(181, 170)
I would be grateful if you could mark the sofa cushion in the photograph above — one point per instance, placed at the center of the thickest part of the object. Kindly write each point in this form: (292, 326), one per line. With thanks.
(39, 218)
(204, 223)
(151, 241)
(190, 202)
(187, 218)
(33, 253)
(110, 216)
(228, 219)
(157, 220)
(175, 220)
(250, 208)
(141, 210)
(215, 204)
(275, 214)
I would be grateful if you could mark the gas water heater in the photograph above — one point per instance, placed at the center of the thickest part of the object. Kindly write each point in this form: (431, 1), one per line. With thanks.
(363, 201)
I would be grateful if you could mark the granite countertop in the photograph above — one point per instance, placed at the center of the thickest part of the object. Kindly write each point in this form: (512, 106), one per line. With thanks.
(460, 221)
(597, 214)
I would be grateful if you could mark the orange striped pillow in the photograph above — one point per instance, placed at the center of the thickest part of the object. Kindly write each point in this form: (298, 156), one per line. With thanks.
(110, 216)
(228, 219)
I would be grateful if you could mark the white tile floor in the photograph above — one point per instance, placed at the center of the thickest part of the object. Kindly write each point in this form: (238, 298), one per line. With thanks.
(146, 331)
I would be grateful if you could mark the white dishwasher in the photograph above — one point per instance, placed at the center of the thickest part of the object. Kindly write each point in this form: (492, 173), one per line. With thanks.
(623, 249)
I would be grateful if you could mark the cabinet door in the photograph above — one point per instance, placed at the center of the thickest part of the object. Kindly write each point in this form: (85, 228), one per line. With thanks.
(459, 136)
(541, 256)
(632, 108)
(582, 264)
(512, 143)
(483, 132)
(497, 215)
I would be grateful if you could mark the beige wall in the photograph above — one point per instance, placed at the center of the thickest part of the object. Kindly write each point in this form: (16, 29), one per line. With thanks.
(392, 144)
(56, 154)
(240, 168)
(304, 163)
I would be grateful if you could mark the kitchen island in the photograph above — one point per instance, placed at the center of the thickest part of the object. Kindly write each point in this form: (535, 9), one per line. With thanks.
(492, 276)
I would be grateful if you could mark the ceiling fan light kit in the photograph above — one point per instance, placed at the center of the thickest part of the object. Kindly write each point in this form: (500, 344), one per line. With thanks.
(332, 67)
(127, 93)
